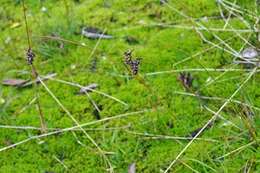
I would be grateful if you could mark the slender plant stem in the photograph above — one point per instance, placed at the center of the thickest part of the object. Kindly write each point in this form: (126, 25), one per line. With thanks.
(34, 75)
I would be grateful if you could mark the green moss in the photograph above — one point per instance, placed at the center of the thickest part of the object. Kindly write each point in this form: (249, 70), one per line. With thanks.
(172, 113)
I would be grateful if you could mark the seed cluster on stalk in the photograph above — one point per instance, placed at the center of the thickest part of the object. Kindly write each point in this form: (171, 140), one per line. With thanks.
(132, 63)
(30, 56)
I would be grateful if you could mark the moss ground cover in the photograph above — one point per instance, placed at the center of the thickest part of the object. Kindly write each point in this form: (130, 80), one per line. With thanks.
(151, 119)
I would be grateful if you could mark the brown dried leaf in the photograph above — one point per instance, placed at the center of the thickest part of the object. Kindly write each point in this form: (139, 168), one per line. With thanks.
(132, 168)
(14, 82)
(43, 78)
(250, 53)
(25, 83)
(88, 88)
(95, 33)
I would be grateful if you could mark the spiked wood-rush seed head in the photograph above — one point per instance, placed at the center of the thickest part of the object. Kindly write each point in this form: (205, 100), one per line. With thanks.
(30, 56)
(135, 66)
(128, 57)
(132, 63)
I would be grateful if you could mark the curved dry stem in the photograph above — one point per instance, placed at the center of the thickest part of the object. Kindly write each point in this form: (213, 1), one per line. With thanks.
(75, 127)
(93, 90)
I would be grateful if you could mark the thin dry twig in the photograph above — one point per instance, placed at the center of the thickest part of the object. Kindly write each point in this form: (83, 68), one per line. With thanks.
(155, 136)
(120, 116)
(93, 90)
(237, 150)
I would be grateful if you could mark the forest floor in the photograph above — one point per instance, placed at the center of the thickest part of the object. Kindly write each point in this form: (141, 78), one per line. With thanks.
(172, 86)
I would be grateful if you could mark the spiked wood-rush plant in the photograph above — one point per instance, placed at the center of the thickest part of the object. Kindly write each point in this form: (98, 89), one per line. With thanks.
(30, 58)
(133, 65)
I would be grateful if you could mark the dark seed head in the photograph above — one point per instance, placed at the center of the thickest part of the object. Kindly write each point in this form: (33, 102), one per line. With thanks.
(128, 57)
(30, 56)
(133, 64)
